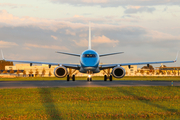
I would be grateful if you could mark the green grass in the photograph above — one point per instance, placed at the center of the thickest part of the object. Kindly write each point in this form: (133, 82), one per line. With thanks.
(91, 103)
(151, 78)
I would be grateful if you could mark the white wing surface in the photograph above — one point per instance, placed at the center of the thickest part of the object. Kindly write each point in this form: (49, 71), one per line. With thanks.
(105, 66)
(75, 66)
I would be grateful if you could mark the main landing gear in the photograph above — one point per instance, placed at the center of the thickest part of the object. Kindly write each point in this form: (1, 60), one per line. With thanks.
(105, 78)
(73, 78)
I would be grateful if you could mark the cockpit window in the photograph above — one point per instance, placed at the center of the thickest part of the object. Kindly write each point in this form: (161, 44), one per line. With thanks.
(89, 55)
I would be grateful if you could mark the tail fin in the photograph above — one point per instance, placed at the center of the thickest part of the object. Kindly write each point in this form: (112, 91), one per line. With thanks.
(2, 55)
(176, 57)
(89, 35)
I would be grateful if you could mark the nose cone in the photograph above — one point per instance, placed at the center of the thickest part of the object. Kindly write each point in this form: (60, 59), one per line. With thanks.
(89, 59)
(89, 62)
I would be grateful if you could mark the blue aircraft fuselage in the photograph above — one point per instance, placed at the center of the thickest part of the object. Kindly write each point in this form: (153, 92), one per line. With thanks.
(89, 62)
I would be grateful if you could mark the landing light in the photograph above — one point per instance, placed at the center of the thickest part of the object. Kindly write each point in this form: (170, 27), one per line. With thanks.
(89, 76)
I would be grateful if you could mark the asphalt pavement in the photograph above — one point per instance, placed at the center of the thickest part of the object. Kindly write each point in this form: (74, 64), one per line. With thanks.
(82, 83)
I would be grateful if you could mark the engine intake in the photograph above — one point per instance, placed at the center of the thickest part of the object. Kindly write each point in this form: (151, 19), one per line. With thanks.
(60, 72)
(118, 72)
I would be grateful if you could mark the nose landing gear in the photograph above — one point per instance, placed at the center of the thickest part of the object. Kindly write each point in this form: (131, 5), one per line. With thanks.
(89, 78)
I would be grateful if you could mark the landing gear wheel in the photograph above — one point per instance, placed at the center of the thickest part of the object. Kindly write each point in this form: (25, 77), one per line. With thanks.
(110, 78)
(73, 78)
(105, 78)
(89, 79)
(67, 77)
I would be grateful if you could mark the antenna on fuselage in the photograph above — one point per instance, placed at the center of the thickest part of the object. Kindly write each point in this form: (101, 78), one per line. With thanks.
(89, 35)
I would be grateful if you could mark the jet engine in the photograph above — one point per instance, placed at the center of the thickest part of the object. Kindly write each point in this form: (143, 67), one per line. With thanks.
(60, 71)
(118, 72)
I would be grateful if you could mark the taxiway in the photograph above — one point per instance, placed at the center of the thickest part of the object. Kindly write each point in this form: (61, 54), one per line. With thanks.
(82, 83)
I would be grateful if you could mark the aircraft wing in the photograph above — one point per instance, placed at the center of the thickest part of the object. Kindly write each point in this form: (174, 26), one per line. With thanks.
(106, 66)
(74, 66)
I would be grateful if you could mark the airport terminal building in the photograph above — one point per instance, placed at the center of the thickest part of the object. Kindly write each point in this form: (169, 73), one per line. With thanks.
(45, 71)
(26, 70)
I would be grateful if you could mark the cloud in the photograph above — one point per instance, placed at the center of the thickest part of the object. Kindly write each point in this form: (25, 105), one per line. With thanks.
(68, 32)
(81, 43)
(160, 36)
(17, 56)
(116, 3)
(77, 16)
(7, 19)
(96, 41)
(138, 9)
(14, 5)
(4, 44)
(54, 37)
(69, 24)
(46, 46)
(103, 39)
(82, 35)
(165, 9)
(26, 48)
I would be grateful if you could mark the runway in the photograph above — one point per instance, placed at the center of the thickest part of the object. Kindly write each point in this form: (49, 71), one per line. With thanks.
(82, 83)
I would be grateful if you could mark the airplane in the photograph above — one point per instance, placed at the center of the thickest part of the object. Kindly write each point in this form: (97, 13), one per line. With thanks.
(90, 64)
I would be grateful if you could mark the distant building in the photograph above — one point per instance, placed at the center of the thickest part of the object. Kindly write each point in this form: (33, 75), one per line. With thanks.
(132, 71)
(34, 70)
(169, 71)
(5, 63)
(44, 70)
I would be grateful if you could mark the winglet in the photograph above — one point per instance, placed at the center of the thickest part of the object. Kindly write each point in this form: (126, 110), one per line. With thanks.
(176, 56)
(2, 55)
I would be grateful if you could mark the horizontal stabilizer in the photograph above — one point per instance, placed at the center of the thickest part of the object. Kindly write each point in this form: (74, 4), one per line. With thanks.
(78, 55)
(102, 55)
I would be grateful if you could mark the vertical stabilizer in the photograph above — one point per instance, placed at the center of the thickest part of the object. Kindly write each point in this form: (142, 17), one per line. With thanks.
(89, 35)
(2, 55)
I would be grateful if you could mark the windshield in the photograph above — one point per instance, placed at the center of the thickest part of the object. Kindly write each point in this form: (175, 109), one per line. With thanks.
(89, 55)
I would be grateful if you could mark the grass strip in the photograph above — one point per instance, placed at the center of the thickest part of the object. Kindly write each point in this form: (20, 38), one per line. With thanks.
(91, 103)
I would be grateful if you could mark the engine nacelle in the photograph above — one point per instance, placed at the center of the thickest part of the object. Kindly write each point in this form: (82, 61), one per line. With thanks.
(60, 71)
(118, 72)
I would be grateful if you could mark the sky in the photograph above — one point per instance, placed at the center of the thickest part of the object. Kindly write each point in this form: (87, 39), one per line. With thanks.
(145, 30)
